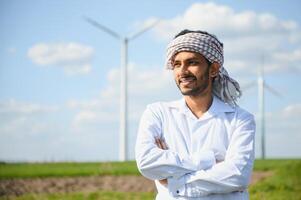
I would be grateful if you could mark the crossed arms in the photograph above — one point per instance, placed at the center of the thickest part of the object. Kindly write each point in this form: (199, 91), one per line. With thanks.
(198, 174)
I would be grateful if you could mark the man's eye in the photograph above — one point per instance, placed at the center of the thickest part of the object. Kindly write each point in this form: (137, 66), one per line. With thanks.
(193, 62)
(176, 65)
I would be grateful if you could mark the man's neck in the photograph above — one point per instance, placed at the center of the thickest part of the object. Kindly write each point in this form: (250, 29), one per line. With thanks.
(199, 104)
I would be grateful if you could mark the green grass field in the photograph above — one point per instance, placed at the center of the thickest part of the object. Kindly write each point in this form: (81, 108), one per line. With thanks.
(285, 184)
(101, 195)
(32, 170)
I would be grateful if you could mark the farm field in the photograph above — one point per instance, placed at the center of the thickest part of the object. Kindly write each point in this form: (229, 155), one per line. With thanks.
(272, 179)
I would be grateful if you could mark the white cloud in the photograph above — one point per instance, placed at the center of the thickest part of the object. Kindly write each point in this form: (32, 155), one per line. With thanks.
(284, 61)
(92, 104)
(74, 58)
(293, 110)
(286, 120)
(89, 119)
(12, 50)
(247, 35)
(224, 21)
(282, 129)
(13, 106)
(288, 57)
(37, 132)
(20, 118)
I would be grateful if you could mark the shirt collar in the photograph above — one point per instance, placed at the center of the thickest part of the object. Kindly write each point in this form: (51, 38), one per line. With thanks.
(217, 107)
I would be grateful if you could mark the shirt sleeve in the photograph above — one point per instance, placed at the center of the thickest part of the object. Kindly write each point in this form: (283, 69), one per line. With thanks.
(232, 174)
(155, 163)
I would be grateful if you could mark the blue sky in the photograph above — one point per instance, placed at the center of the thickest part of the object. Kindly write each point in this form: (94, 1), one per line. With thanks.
(59, 76)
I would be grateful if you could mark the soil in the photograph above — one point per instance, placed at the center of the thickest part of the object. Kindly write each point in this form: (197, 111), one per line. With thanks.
(17, 187)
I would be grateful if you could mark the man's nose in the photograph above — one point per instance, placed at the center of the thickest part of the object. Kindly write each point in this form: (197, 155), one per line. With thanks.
(183, 68)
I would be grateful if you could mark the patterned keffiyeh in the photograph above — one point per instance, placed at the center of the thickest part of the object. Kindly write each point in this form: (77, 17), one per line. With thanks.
(211, 48)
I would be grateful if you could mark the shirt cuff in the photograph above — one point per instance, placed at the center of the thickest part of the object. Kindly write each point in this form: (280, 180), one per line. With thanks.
(176, 186)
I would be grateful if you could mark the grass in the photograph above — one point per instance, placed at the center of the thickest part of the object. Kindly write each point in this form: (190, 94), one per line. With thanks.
(34, 170)
(285, 184)
(101, 195)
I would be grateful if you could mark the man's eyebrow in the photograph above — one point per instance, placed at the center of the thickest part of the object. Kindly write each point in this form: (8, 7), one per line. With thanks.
(193, 58)
(188, 59)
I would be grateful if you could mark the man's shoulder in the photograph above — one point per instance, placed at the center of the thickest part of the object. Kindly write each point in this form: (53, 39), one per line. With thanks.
(231, 111)
(242, 113)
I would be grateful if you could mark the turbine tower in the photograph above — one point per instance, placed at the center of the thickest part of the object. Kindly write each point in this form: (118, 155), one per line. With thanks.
(260, 81)
(262, 85)
(123, 83)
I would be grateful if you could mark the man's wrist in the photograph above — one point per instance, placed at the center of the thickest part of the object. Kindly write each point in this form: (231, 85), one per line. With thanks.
(176, 186)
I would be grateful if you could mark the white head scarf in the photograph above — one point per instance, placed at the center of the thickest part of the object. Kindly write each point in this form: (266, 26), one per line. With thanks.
(224, 87)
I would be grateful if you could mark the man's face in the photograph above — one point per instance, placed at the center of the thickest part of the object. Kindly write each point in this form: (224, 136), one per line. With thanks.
(191, 73)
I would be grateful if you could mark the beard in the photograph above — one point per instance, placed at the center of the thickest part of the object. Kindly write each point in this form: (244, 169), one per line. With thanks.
(198, 88)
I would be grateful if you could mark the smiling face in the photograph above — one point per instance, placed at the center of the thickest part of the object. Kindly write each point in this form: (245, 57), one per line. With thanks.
(192, 73)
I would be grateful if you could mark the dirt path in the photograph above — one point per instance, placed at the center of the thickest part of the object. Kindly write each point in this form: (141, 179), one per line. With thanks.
(16, 187)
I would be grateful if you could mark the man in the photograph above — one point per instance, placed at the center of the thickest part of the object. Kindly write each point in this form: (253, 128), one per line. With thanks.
(202, 146)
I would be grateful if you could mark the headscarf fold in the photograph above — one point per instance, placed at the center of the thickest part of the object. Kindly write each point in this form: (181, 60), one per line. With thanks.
(224, 87)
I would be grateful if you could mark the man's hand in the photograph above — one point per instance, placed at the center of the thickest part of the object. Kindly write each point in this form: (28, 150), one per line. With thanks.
(162, 145)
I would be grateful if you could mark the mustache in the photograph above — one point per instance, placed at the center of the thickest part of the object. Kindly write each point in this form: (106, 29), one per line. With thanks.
(187, 76)
(184, 78)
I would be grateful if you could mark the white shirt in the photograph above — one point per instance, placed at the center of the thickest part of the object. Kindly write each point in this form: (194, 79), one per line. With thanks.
(224, 134)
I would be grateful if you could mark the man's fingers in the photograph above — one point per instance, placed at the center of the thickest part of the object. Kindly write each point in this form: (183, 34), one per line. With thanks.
(164, 144)
(163, 182)
(158, 143)
(161, 143)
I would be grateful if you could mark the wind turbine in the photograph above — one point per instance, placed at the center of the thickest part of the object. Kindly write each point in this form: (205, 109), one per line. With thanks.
(123, 82)
(262, 85)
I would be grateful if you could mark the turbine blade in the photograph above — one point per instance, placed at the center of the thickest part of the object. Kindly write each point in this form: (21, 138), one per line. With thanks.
(133, 36)
(102, 27)
(272, 90)
(248, 85)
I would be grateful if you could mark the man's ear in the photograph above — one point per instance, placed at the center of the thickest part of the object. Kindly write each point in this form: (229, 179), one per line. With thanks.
(214, 69)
